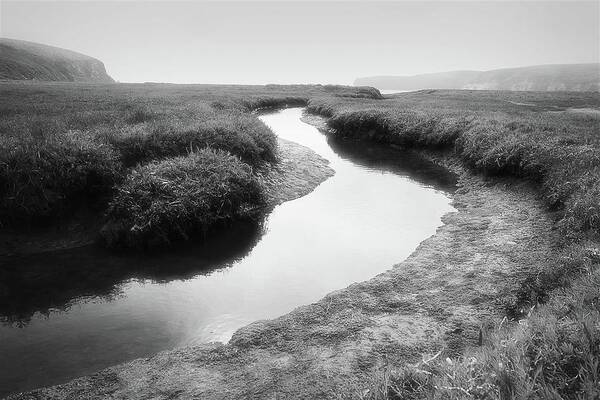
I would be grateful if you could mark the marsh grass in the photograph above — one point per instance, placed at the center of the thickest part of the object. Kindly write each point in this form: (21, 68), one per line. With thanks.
(63, 143)
(549, 347)
(42, 177)
(551, 352)
(554, 353)
(170, 199)
(240, 134)
(561, 152)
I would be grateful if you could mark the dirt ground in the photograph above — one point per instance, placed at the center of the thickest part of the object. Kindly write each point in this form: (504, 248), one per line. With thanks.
(299, 171)
(442, 297)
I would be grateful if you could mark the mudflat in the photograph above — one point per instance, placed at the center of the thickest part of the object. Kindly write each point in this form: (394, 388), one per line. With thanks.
(297, 173)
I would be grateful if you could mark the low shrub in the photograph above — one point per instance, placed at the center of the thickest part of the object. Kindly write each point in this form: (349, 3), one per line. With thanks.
(173, 198)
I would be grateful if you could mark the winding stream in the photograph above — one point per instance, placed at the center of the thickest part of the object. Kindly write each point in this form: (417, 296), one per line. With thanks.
(372, 214)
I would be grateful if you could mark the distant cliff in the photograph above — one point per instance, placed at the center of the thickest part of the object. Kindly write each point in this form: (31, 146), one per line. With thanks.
(572, 77)
(21, 60)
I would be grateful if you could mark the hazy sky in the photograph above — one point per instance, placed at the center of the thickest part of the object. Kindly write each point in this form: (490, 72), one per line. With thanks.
(286, 42)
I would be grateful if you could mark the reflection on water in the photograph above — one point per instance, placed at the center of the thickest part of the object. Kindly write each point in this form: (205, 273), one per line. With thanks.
(46, 283)
(110, 308)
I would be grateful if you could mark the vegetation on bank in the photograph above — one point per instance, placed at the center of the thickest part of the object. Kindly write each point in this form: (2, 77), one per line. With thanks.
(64, 145)
(240, 134)
(168, 200)
(43, 176)
(553, 352)
(558, 149)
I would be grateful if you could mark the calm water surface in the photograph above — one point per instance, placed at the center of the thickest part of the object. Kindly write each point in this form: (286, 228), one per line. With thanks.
(74, 312)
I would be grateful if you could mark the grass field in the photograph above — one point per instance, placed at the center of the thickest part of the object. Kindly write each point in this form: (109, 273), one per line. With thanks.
(147, 154)
(65, 145)
(553, 140)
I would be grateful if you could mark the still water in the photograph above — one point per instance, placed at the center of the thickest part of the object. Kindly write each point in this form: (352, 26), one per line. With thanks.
(74, 312)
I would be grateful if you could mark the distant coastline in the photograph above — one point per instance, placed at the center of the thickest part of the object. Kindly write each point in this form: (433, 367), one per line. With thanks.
(557, 77)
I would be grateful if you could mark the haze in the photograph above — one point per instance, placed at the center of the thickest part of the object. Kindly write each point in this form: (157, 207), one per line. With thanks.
(308, 42)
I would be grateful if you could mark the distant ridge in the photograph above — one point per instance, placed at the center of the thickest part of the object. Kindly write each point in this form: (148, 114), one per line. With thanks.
(554, 77)
(21, 60)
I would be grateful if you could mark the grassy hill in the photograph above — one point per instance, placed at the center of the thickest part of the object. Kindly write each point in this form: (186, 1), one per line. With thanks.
(21, 60)
(557, 77)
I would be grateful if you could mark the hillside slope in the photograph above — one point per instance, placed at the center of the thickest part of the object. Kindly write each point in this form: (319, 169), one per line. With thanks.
(21, 60)
(571, 77)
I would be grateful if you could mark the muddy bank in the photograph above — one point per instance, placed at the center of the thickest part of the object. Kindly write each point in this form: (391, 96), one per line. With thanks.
(455, 283)
(297, 173)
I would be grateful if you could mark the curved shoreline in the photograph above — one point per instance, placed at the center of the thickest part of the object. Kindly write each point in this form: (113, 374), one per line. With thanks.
(440, 298)
(298, 172)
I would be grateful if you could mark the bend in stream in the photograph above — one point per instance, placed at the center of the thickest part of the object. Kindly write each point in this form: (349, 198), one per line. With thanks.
(74, 312)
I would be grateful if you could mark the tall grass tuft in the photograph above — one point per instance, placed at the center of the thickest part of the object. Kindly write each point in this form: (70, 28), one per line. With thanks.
(170, 199)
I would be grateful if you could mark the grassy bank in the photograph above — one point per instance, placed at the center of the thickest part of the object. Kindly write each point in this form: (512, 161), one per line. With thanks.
(168, 200)
(558, 149)
(67, 145)
(553, 140)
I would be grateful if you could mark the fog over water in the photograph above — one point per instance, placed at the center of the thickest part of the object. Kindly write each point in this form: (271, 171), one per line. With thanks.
(307, 42)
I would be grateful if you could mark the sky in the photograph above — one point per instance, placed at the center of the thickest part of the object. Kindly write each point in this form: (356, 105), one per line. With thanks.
(307, 42)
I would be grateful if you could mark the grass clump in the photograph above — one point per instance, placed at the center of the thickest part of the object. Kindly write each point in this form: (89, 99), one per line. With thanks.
(242, 135)
(42, 177)
(168, 200)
